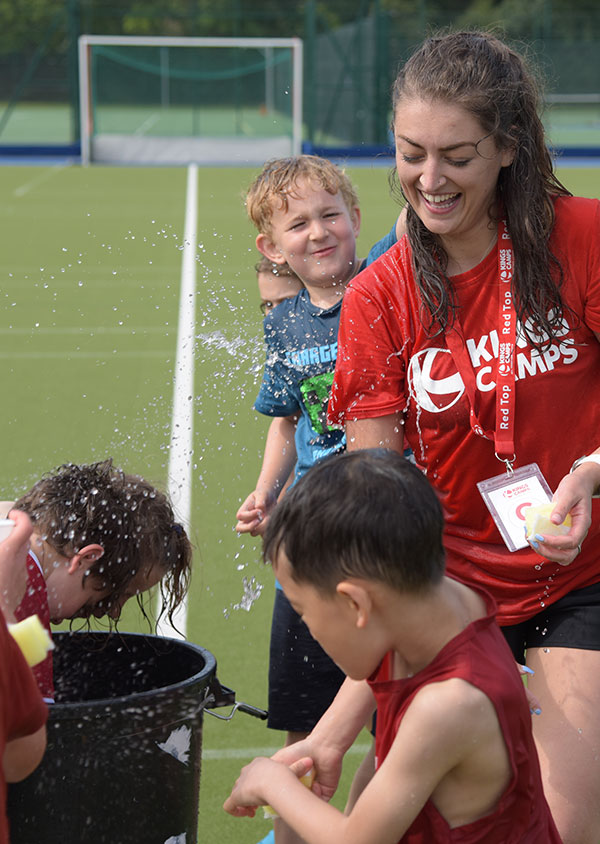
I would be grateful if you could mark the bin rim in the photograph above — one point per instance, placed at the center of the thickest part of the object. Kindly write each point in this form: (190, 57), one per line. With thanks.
(133, 699)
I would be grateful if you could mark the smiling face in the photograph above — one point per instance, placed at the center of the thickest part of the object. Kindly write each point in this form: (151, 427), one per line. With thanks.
(448, 170)
(315, 234)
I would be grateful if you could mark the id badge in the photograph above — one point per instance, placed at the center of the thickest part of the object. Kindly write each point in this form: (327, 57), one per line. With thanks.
(506, 496)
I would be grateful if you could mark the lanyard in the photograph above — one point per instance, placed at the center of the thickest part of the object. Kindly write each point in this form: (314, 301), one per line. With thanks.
(503, 434)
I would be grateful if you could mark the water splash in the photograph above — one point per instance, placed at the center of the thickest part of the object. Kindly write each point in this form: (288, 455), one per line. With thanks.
(252, 590)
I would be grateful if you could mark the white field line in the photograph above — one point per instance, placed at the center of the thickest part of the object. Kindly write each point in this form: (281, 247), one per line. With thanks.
(148, 123)
(43, 176)
(73, 355)
(252, 752)
(179, 485)
(90, 331)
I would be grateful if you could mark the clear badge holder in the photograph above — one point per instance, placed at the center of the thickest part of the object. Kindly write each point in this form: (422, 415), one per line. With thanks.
(507, 495)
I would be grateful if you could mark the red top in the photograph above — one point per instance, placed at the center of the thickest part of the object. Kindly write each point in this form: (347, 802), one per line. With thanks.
(22, 710)
(35, 602)
(387, 362)
(481, 656)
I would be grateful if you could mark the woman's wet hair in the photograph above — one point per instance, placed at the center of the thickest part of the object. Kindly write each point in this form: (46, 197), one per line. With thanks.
(479, 73)
(77, 505)
(366, 514)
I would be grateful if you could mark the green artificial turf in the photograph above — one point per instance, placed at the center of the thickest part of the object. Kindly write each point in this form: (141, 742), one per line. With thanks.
(90, 269)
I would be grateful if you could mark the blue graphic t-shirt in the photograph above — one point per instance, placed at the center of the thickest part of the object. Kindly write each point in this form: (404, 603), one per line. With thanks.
(382, 246)
(301, 343)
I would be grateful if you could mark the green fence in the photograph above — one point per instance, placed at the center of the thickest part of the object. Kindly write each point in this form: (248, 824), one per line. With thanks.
(351, 49)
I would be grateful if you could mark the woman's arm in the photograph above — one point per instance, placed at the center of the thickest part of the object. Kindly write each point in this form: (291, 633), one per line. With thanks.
(379, 432)
(574, 496)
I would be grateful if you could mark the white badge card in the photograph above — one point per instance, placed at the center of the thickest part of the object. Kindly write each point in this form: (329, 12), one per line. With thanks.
(507, 496)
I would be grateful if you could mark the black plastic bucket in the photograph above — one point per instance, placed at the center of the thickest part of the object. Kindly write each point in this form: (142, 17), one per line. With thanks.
(124, 744)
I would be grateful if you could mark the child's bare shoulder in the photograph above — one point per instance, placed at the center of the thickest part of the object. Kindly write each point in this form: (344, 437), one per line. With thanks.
(453, 707)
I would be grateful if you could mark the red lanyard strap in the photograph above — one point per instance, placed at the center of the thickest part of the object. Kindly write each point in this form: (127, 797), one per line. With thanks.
(503, 434)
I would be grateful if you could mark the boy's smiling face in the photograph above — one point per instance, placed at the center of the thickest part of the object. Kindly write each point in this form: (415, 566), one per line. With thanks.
(315, 234)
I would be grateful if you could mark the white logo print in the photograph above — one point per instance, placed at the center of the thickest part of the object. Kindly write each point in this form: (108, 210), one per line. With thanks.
(436, 385)
(426, 390)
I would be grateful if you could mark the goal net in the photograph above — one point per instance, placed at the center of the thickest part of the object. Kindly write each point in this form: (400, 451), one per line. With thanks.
(162, 100)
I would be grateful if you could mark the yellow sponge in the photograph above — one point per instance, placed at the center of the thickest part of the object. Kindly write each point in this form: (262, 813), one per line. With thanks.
(306, 780)
(33, 639)
(537, 520)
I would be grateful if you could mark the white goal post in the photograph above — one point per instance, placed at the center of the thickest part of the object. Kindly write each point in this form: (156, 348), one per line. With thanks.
(146, 129)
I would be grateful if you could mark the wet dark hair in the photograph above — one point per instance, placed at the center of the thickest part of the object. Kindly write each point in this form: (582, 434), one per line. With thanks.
(367, 514)
(76, 505)
(478, 72)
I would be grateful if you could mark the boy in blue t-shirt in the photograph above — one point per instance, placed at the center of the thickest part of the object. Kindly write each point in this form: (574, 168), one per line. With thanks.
(307, 215)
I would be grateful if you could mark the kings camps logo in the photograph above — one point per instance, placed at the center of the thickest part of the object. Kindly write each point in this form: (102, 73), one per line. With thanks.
(435, 384)
(434, 392)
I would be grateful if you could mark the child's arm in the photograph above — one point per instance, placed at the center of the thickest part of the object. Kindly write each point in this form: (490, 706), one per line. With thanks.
(278, 461)
(13, 568)
(446, 732)
(332, 736)
(23, 755)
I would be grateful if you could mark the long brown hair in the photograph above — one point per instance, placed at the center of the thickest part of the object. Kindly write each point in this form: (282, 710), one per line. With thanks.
(478, 72)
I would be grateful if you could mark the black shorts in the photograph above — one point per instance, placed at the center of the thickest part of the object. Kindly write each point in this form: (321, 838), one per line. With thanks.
(303, 680)
(571, 622)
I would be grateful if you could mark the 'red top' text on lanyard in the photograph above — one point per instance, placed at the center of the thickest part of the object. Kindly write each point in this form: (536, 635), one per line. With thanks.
(503, 434)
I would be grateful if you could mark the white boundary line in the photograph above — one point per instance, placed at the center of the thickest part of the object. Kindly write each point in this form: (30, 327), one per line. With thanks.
(179, 485)
(251, 752)
(46, 174)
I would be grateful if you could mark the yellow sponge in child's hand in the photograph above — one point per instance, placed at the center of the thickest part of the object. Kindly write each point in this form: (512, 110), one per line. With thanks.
(33, 639)
(537, 520)
(306, 779)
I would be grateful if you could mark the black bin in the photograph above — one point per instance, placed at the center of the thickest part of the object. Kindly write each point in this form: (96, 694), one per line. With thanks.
(124, 744)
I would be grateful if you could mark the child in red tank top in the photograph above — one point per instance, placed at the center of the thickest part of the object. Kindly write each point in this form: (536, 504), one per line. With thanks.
(357, 548)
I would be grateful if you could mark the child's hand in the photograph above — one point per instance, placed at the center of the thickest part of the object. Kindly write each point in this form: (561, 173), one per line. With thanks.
(13, 569)
(247, 793)
(253, 514)
(262, 775)
(326, 761)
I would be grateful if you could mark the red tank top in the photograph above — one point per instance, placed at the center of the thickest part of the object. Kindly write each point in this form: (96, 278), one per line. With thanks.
(35, 602)
(479, 655)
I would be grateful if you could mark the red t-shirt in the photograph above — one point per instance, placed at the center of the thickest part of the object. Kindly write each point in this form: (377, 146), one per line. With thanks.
(35, 602)
(387, 363)
(22, 710)
(479, 655)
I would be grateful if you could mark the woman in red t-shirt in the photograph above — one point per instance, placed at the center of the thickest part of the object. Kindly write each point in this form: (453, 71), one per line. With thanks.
(475, 341)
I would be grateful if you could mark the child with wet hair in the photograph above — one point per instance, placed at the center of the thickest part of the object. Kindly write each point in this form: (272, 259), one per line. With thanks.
(357, 546)
(100, 536)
